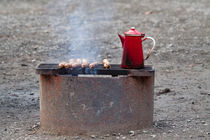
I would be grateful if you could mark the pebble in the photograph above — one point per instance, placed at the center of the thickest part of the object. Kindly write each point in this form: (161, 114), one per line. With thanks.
(109, 56)
(180, 98)
(132, 133)
(117, 137)
(93, 136)
(203, 93)
(188, 120)
(170, 131)
(153, 136)
(144, 131)
(23, 65)
(107, 135)
(114, 134)
(114, 47)
(36, 125)
(123, 137)
(76, 137)
(164, 91)
(203, 122)
(31, 93)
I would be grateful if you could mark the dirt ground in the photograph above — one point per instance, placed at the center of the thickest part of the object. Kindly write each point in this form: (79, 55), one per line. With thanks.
(38, 31)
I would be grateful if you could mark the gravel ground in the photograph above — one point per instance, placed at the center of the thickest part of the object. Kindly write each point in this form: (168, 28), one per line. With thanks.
(50, 31)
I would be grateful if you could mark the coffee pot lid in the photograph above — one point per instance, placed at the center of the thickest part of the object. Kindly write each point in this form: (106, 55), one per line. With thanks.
(133, 32)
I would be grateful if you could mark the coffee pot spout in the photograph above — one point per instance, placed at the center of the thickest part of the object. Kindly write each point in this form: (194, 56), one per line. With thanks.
(122, 38)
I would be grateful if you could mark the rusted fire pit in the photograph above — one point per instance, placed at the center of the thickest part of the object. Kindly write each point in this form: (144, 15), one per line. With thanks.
(95, 101)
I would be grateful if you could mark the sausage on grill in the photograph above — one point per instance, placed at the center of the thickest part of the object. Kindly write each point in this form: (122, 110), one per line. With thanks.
(92, 65)
(106, 64)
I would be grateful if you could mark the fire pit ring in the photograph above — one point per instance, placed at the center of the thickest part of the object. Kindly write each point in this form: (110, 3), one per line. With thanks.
(101, 102)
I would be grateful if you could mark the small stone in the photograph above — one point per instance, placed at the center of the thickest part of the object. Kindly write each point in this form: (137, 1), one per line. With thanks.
(5, 129)
(170, 45)
(93, 136)
(144, 131)
(107, 135)
(109, 56)
(114, 134)
(153, 136)
(123, 137)
(117, 137)
(76, 137)
(148, 12)
(114, 47)
(36, 125)
(188, 120)
(33, 60)
(203, 122)
(24, 65)
(170, 131)
(203, 93)
(164, 91)
(132, 133)
(31, 93)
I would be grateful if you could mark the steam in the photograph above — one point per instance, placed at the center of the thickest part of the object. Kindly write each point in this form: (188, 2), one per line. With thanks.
(75, 22)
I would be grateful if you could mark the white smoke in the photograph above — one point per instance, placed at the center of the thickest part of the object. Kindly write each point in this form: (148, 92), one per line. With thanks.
(78, 24)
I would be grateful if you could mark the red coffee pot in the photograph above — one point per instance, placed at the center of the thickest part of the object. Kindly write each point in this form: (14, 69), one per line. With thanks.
(132, 49)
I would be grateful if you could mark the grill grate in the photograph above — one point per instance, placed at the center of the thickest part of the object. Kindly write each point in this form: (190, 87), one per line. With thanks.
(115, 70)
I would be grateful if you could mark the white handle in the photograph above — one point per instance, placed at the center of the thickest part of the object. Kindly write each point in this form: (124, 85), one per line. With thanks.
(151, 48)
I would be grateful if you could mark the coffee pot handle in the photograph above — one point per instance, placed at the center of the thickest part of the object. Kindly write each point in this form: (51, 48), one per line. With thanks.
(151, 48)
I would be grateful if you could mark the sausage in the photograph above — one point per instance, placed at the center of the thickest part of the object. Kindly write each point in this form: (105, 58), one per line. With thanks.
(84, 63)
(67, 65)
(61, 65)
(106, 64)
(71, 61)
(92, 65)
(74, 65)
(104, 61)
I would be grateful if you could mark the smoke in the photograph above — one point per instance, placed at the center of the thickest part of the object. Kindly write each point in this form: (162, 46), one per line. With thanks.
(79, 22)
